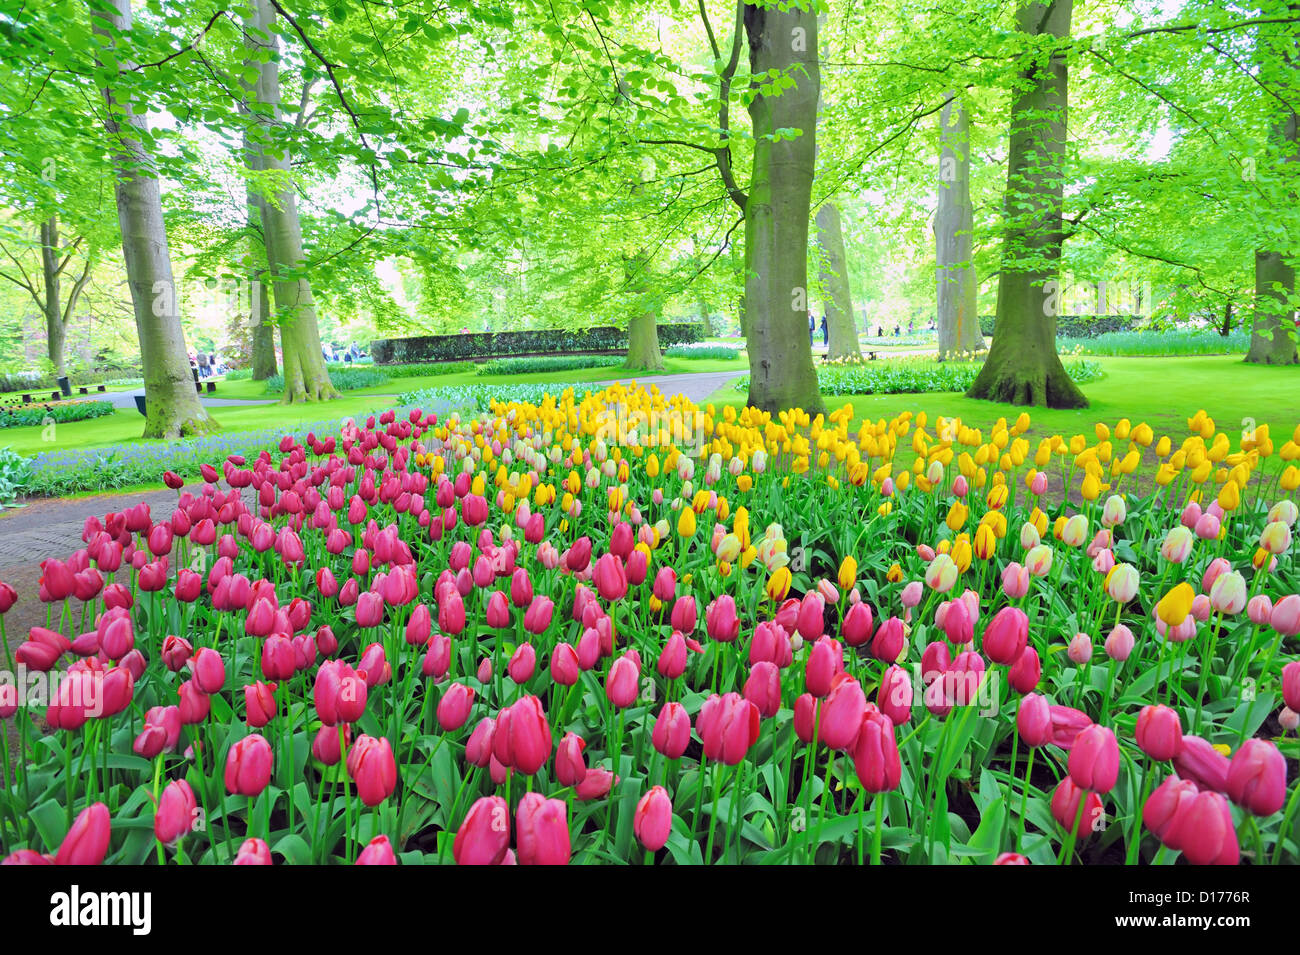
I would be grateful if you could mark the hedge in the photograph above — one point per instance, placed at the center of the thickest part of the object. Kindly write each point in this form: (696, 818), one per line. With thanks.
(1077, 326)
(548, 341)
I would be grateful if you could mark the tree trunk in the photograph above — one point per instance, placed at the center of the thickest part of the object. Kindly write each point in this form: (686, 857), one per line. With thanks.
(781, 373)
(643, 343)
(1226, 328)
(305, 375)
(1270, 338)
(706, 319)
(1022, 366)
(642, 329)
(957, 319)
(843, 332)
(173, 407)
(260, 325)
(54, 329)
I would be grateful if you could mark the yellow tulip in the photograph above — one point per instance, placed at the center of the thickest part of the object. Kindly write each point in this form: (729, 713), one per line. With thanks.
(1229, 496)
(686, 523)
(778, 584)
(1174, 606)
(848, 573)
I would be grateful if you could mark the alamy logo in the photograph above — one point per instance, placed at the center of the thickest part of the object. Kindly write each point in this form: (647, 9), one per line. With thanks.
(76, 908)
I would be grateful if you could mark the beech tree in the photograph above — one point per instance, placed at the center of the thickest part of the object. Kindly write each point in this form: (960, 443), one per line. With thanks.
(173, 408)
(1274, 332)
(305, 375)
(957, 315)
(1023, 366)
(74, 262)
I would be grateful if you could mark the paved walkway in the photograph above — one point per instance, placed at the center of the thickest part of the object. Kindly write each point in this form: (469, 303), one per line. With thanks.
(126, 399)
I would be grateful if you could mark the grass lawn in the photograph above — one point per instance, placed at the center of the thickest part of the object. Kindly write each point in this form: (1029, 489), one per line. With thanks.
(1163, 392)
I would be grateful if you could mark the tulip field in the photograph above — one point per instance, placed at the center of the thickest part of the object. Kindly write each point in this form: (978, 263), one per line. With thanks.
(618, 628)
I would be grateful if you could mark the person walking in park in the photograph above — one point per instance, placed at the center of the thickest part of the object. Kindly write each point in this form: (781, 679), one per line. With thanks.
(826, 333)
(812, 327)
(203, 364)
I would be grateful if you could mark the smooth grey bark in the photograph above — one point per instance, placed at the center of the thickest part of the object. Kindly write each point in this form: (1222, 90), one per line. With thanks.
(261, 326)
(781, 373)
(838, 300)
(706, 319)
(173, 407)
(643, 350)
(50, 273)
(1271, 341)
(957, 317)
(305, 375)
(1023, 366)
(1273, 331)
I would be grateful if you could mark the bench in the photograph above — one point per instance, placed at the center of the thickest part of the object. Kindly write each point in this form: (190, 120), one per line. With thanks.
(28, 395)
(212, 383)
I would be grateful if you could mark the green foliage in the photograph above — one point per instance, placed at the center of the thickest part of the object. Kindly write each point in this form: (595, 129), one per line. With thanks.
(915, 376)
(422, 371)
(1077, 326)
(346, 379)
(704, 350)
(15, 473)
(434, 348)
(481, 397)
(25, 415)
(1166, 342)
(545, 363)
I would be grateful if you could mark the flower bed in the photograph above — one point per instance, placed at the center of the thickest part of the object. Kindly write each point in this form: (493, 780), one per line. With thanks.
(61, 412)
(705, 350)
(541, 633)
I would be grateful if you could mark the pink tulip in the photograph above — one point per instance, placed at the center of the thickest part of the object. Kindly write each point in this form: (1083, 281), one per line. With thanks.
(175, 815)
(1200, 762)
(1066, 800)
(1257, 777)
(653, 820)
(1034, 720)
(1006, 636)
(763, 688)
(542, 828)
(248, 766)
(570, 765)
(455, 706)
(843, 710)
(87, 841)
(1159, 732)
(623, 682)
(373, 769)
(728, 725)
(378, 851)
(1206, 830)
(1094, 759)
(672, 730)
(875, 754)
(484, 836)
